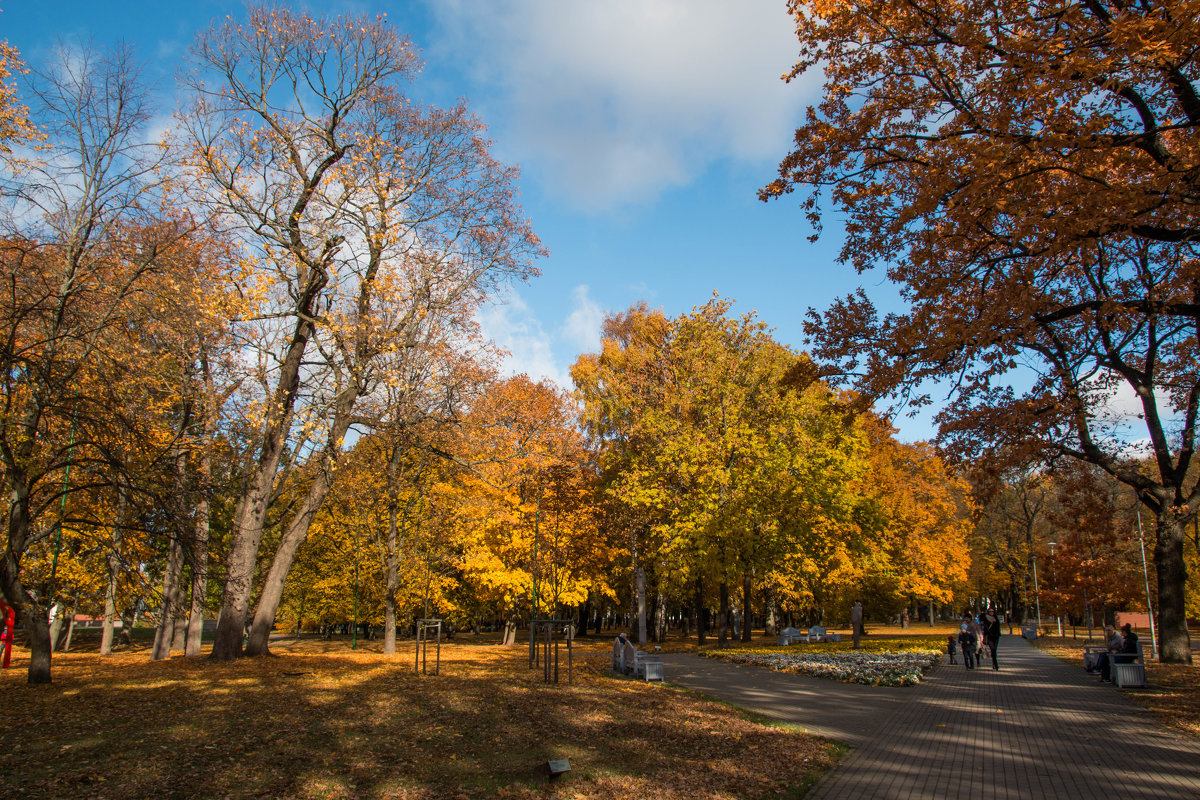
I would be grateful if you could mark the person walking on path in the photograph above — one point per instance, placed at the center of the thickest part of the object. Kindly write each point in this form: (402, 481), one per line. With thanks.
(991, 634)
(856, 615)
(966, 641)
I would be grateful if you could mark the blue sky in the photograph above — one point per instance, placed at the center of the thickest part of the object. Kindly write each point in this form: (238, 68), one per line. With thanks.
(643, 130)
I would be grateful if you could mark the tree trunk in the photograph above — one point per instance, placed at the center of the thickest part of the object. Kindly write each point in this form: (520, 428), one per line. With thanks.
(393, 581)
(700, 632)
(37, 628)
(640, 583)
(585, 615)
(195, 630)
(1171, 573)
(772, 613)
(66, 646)
(723, 615)
(251, 512)
(660, 618)
(113, 560)
(110, 609)
(297, 529)
(747, 616)
(170, 602)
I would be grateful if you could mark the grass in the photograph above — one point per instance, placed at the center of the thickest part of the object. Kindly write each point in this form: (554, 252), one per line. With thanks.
(1173, 695)
(320, 721)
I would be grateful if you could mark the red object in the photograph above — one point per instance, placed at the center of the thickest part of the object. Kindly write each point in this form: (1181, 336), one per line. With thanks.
(6, 636)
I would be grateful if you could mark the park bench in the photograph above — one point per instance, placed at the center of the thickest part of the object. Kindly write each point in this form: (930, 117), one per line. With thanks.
(818, 634)
(789, 636)
(628, 660)
(1126, 672)
(647, 666)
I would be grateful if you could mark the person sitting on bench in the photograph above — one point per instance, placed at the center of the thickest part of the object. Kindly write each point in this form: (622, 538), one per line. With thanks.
(1115, 642)
(1128, 654)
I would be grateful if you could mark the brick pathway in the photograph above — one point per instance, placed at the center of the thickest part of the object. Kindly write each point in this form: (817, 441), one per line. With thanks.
(1037, 728)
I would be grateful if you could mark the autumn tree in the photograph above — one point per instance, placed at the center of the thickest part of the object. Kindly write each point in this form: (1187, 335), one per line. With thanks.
(83, 236)
(367, 214)
(721, 452)
(915, 516)
(1027, 174)
(527, 512)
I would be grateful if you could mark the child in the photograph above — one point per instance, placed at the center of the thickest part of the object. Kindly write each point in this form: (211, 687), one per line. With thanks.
(967, 641)
(951, 648)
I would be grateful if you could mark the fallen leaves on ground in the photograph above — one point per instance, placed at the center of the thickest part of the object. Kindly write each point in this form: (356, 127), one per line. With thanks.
(315, 721)
(1173, 694)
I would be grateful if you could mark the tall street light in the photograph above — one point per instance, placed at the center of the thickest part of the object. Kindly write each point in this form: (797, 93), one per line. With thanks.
(1057, 616)
(1146, 578)
(1036, 591)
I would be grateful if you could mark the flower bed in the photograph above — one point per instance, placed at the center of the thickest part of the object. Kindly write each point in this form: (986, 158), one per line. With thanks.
(885, 668)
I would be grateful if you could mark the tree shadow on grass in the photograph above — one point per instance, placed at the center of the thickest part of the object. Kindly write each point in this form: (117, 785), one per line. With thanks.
(331, 725)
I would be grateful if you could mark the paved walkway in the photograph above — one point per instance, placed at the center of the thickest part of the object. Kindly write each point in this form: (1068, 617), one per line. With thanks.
(1037, 728)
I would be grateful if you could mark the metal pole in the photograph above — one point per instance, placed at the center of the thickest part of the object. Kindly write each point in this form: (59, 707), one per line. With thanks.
(533, 649)
(1036, 599)
(1146, 578)
(1057, 615)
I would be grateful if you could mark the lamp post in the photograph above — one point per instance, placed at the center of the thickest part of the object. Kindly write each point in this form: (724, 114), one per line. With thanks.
(1057, 616)
(1146, 578)
(1036, 591)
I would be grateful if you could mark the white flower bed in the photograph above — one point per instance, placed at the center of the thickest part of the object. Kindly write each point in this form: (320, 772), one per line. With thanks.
(873, 669)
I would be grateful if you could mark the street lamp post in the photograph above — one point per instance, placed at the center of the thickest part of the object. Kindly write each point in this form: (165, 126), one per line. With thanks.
(1037, 592)
(1146, 578)
(1057, 616)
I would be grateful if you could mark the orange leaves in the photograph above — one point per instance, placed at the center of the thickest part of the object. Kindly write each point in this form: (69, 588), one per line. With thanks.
(14, 117)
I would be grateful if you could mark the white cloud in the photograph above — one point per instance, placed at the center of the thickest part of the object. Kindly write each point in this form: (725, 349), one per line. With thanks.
(581, 329)
(513, 326)
(611, 103)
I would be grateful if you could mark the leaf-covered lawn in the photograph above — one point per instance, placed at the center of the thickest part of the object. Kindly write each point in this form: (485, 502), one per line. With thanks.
(319, 721)
(880, 661)
(1173, 694)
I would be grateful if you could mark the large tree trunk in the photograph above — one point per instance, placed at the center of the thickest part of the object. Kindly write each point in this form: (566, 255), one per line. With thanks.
(1171, 572)
(700, 631)
(28, 612)
(251, 512)
(772, 613)
(297, 529)
(37, 629)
